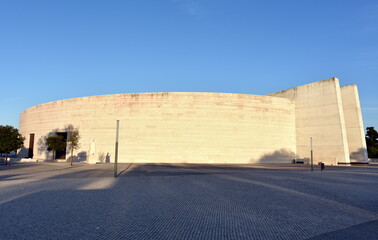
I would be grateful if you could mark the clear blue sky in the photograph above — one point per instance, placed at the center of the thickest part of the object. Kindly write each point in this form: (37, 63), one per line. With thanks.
(52, 50)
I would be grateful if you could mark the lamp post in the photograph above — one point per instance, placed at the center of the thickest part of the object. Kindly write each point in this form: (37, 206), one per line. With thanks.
(116, 150)
(312, 157)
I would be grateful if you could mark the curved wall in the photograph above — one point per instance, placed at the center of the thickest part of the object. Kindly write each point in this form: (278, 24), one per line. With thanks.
(170, 127)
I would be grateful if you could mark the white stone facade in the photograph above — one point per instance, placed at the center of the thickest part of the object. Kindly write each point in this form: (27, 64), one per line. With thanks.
(206, 127)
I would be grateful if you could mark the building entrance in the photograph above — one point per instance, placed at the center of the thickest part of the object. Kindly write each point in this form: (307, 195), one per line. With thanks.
(61, 154)
(31, 145)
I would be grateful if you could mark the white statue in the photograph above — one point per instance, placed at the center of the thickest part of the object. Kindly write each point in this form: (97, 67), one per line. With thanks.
(92, 148)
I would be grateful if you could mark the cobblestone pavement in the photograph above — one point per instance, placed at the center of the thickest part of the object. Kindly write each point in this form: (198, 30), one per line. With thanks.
(55, 201)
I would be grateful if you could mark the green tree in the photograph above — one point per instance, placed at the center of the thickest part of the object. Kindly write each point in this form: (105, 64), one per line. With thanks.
(372, 142)
(10, 140)
(55, 143)
(73, 142)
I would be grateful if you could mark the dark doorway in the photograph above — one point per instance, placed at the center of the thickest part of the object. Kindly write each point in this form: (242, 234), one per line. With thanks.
(31, 145)
(61, 154)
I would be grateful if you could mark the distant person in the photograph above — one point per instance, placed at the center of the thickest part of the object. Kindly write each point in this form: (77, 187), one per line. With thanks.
(107, 158)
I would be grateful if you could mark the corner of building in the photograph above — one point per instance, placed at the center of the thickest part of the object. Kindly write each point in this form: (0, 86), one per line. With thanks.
(319, 116)
(354, 124)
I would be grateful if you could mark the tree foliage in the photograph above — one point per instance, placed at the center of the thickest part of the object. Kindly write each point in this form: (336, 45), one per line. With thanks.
(10, 140)
(372, 142)
(55, 143)
(73, 142)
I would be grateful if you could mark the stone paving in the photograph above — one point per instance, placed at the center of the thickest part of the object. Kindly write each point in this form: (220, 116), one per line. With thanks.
(152, 201)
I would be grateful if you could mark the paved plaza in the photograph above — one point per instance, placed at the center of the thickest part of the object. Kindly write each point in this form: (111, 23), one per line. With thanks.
(152, 201)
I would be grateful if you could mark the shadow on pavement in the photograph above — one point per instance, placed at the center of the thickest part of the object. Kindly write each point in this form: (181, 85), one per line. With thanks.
(189, 201)
(368, 230)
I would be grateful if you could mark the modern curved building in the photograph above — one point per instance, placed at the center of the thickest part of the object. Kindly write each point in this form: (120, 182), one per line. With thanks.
(206, 127)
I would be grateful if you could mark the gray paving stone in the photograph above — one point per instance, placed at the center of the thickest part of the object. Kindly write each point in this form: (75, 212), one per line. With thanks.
(152, 201)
